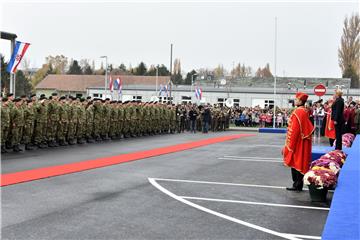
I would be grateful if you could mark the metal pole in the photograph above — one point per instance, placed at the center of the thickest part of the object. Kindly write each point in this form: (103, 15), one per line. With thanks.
(156, 84)
(171, 51)
(12, 75)
(106, 78)
(274, 111)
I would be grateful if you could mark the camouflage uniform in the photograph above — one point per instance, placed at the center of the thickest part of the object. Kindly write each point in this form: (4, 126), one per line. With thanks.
(17, 124)
(5, 125)
(90, 122)
(29, 119)
(53, 119)
(40, 111)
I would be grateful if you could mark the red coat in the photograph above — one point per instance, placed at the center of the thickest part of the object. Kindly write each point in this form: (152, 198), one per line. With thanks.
(297, 149)
(329, 126)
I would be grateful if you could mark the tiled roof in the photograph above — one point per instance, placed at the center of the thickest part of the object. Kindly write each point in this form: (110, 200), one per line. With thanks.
(80, 83)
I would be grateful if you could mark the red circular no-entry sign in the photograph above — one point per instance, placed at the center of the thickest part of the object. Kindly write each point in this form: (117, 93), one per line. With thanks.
(319, 90)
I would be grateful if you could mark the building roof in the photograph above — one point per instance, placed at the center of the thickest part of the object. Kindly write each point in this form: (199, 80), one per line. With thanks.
(79, 83)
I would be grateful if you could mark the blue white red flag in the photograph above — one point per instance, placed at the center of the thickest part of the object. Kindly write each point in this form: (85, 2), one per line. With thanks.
(119, 81)
(17, 56)
(198, 93)
(111, 84)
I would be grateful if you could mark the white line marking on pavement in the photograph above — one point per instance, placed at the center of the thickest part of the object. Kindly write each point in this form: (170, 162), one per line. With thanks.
(248, 160)
(259, 158)
(303, 236)
(247, 224)
(255, 203)
(220, 183)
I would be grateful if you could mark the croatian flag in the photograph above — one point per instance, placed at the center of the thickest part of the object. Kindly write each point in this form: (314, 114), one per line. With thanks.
(198, 93)
(163, 89)
(18, 54)
(119, 85)
(111, 84)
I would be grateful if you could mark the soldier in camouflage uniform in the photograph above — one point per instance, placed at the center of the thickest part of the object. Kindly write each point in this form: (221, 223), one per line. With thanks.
(40, 111)
(29, 119)
(114, 118)
(81, 123)
(89, 122)
(16, 124)
(63, 122)
(5, 123)
(73, 118)
(121, 117)
(53, 119)
(105, 120)
(98, 119)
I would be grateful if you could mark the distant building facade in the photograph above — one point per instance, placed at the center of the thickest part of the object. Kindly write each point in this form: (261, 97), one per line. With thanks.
(243, 92)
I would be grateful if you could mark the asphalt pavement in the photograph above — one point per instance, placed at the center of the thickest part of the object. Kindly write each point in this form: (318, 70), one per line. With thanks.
(235, 188)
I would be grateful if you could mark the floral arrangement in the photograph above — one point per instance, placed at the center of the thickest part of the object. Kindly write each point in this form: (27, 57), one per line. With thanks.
(325, 164)
(347, 139)
(320, 178)
(337, 156)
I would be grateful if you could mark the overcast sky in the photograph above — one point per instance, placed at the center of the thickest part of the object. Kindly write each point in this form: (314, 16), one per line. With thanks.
(204, 34)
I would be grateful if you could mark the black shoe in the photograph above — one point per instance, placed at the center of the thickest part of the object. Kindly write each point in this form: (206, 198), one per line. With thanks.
(17, 148)
(3, 149)
(28, 147)
(294, 189)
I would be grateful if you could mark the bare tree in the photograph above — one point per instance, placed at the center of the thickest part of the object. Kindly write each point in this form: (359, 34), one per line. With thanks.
(349, 51)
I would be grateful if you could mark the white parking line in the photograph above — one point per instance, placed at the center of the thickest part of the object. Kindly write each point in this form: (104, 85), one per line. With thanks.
(304, 236)
(153, 181)
(248, 160)
(220, 183)
(255, 203)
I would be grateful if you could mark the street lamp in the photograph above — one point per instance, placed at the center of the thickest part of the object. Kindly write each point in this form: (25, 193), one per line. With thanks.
(106, 69)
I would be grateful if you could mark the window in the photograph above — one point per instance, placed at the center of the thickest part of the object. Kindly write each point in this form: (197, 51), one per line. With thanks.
(78, 95)
(185, 98)
(236, 102)
(165, 99)
(269, 103)
(96, 95)
(137, 98)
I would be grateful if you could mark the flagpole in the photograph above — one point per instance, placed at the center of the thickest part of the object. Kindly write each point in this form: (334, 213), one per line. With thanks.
(156, 83)
(275, 50)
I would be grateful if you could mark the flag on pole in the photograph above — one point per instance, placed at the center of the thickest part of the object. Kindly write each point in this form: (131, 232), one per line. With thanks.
(111, 84)
(198, 92)
(17, 56)
(161, 89)
(119, 86)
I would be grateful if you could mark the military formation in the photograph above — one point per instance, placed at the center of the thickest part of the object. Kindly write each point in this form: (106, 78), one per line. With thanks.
(59, 121)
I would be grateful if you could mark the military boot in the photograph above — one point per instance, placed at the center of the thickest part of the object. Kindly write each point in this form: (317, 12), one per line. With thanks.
(28, 147)
(3, 149)
(17, 148)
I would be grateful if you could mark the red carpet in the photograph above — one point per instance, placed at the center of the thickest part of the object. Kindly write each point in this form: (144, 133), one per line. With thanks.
(46, 172)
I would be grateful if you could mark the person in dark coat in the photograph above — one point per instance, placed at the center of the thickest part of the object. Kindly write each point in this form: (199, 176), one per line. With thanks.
(206, 119)
(337, 115)
(192, 117)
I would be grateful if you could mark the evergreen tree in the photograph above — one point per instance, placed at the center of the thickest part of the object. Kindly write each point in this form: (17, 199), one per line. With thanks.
(5, 76)
(22, 85)
(75, 68)
(141, 69)
(190, 77)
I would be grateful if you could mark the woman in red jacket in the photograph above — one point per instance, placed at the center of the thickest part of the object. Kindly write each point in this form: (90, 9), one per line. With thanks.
(330, 126)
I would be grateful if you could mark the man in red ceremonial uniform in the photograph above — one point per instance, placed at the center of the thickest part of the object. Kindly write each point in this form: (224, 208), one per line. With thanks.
(297, 149)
